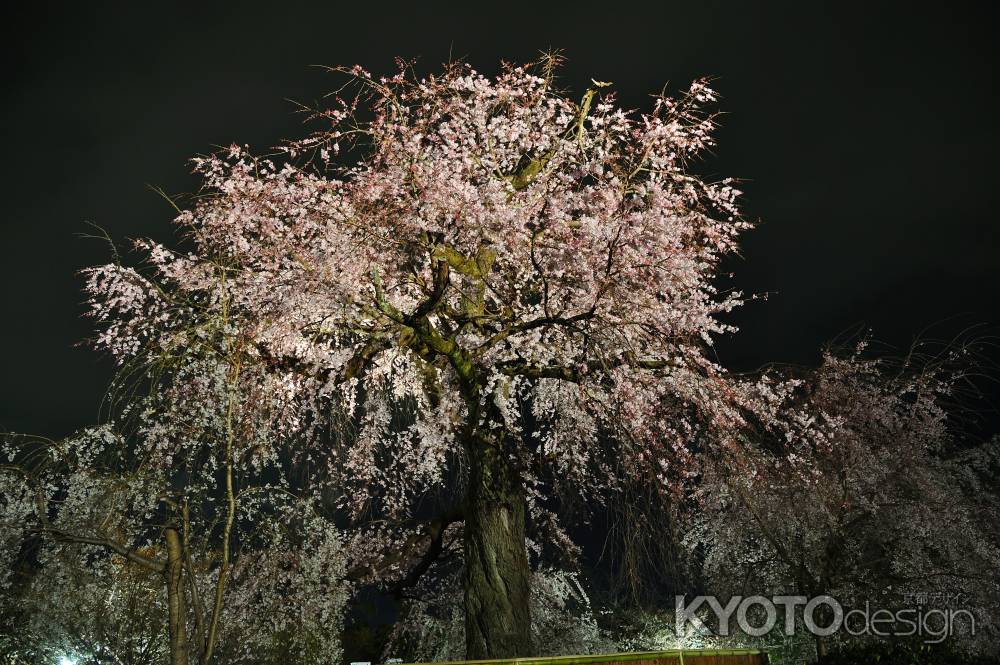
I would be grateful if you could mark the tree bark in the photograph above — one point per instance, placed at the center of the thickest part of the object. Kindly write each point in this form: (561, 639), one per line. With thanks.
(177, 616)
(497, 576)
(821, 650)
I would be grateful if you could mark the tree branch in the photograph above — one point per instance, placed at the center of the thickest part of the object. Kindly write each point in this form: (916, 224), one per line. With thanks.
(441, 275)
(432, 530)
(146, 562)
(574, 374)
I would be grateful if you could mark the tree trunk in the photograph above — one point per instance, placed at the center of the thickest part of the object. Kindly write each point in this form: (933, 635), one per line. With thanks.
(175, 599)
(821, 650)
(497, 621)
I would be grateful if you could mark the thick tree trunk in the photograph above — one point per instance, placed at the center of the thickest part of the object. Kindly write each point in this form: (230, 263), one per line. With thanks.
(177, 616)
(497, 621)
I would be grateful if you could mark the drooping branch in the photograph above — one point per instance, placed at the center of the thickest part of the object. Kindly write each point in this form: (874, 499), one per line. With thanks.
(153, 565)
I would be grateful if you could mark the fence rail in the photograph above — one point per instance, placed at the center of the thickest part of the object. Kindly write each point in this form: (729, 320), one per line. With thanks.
(672, 657)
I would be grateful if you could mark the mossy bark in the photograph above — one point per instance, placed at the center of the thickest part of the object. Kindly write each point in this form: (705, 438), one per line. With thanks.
(497, 576)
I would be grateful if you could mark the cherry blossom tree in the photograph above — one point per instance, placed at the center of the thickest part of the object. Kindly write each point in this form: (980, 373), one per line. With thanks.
(887, 507)
(186, 498)
(473, 298)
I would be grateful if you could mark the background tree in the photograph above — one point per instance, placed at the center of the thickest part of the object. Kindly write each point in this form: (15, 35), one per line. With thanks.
(478, 292)
(890, 506)
(187, 497)
(88, 606)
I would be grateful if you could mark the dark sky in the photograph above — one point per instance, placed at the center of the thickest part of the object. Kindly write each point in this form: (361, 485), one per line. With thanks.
(866, 134)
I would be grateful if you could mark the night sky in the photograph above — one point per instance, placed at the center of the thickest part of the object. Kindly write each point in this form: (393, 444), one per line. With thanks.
(866, 136)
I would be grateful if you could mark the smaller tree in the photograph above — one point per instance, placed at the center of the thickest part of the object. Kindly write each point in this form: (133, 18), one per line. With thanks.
(875, 507)
(87, 606)
(189, 496)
